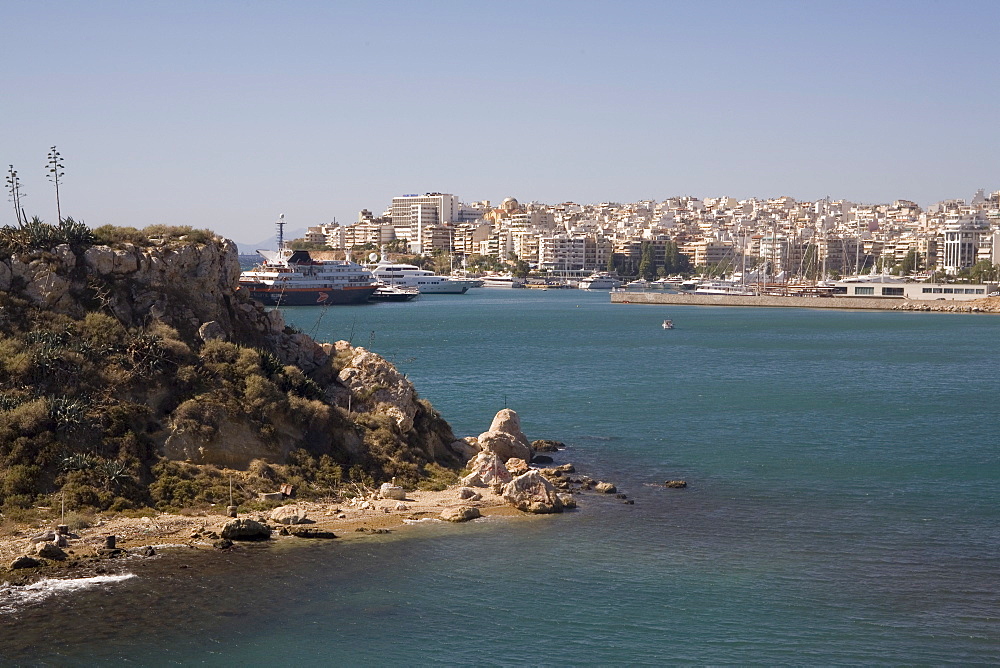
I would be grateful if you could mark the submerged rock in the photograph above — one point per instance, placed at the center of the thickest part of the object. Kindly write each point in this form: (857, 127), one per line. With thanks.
(545, 445)
(460, 514)
(676, 484)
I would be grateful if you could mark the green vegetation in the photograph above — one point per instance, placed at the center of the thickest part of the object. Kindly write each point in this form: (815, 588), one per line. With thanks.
(89, 402)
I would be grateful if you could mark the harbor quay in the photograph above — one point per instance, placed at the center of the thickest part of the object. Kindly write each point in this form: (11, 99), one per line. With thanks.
(988, 305)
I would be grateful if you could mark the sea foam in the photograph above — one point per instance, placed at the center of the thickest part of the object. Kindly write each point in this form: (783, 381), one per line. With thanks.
(14, 597)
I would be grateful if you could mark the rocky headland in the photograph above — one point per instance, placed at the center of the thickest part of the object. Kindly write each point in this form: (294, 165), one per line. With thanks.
(142, 392)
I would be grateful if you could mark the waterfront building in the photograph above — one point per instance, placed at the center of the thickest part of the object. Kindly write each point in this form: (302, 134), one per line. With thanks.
(962, 239)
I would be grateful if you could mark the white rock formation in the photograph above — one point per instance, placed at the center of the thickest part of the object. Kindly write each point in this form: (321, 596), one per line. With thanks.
(532, 493)
(486, 470)
(505, 437)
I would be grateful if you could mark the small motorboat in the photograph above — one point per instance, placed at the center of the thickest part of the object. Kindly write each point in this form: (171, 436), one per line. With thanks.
(668, 324)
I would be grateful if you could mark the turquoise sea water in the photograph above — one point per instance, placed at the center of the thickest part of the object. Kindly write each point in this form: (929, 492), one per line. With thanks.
(842, 507)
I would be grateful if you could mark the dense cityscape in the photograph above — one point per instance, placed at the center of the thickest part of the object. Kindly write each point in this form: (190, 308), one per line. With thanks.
(821, 238)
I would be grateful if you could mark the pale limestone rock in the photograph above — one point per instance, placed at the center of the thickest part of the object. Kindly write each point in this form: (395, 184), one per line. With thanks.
(100, 259)
(505, 437)
(390, 491)
(489, 469)
(504, 445)
(65, 255)
(472, 480)
(467, 493)
(287, 515)
(516, 466)
(50, 551)
(466, 448)
(507, 421)
(210, 331)
(385, 390)
(532, 493)
(125, 261)
(605, 488)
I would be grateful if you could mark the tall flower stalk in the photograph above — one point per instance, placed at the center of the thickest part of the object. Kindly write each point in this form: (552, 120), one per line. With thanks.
(55, 172)
(14, 190)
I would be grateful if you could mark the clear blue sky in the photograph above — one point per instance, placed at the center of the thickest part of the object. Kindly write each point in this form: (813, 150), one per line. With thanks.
(225, 114)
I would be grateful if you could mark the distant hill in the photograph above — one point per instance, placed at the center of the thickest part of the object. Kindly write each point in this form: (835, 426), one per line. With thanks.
(269, 243)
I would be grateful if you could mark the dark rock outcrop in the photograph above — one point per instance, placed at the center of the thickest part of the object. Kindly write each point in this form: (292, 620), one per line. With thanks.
(245, 529)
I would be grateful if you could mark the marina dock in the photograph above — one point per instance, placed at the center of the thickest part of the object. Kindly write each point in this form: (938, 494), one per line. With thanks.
(870, 303)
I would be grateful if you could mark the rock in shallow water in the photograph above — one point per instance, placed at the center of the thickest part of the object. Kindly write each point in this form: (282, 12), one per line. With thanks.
(460, 514)
(243, 529)
(532, 493)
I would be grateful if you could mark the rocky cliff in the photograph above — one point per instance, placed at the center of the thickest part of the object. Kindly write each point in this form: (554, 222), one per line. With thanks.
(115, 355)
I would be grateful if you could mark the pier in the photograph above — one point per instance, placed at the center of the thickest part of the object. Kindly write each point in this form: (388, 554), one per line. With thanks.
(869, 303)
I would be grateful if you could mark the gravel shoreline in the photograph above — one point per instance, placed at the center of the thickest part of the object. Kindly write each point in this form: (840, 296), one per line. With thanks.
(134, 535)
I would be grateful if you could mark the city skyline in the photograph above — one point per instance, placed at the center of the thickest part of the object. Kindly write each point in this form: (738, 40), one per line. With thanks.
(223, 116)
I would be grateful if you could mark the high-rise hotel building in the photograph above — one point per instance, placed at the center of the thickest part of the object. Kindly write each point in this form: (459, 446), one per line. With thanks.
(418, 212)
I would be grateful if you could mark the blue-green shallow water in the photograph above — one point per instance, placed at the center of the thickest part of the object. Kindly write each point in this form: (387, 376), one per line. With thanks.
(842, 508)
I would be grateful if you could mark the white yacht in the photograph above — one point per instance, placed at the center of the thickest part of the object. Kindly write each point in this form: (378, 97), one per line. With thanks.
(412, 276)
(724, 288)
(600, 280)
(502, 281)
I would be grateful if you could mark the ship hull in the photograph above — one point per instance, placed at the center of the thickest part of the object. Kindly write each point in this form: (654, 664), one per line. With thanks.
(311, 296)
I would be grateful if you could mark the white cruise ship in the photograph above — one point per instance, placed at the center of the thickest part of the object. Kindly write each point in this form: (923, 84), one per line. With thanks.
(412, 276)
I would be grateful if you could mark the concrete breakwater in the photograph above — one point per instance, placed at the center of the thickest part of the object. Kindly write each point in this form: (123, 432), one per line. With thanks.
(869, 303)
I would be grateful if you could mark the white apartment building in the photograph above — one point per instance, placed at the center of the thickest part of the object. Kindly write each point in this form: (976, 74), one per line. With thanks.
(962, 240)
(561, 252)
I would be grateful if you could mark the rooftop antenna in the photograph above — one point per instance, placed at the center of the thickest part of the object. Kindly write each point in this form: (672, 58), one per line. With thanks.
(281, 232)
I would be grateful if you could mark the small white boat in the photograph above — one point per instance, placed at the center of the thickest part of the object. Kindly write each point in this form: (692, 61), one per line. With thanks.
(393, 293)
(668, 324)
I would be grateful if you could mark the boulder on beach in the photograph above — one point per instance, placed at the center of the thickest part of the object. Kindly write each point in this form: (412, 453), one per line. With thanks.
(460, 514)
(287, 515)
(469, 493)
(532, 493)
(390, 491)
(50, 551)
(24, 562)
(245, 529)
